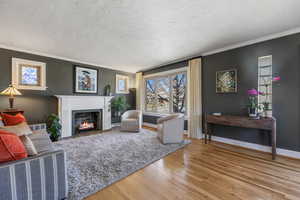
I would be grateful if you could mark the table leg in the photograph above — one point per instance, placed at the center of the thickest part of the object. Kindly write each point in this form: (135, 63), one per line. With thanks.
(205, 132)
(210, 131)
(274, 141)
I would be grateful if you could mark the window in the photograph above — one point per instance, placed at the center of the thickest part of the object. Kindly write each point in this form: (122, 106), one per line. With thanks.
(265, 82)
(166, 94)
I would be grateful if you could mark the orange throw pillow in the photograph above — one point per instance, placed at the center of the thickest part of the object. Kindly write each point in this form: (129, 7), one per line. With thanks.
(11, 120)
(11, 147)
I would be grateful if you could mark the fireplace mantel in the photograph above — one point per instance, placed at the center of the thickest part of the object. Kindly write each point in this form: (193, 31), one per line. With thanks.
(67, 103)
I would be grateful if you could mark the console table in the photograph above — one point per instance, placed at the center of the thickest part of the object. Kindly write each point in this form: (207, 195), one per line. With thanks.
(267, 124)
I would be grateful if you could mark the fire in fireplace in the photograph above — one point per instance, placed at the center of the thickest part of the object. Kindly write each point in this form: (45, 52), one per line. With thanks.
(84, 120)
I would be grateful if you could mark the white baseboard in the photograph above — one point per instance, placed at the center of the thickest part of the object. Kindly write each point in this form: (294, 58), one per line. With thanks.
(283, 152)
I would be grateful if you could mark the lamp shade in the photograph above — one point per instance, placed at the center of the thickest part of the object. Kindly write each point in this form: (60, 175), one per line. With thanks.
(11, 91)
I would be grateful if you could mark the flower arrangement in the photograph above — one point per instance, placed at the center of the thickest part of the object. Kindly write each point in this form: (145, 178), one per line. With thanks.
(253, 102)
(253, 94)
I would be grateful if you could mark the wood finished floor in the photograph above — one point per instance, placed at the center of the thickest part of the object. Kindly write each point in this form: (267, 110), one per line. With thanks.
(213, 171)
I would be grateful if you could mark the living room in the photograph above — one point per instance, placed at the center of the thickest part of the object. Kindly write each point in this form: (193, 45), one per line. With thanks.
(149, 100)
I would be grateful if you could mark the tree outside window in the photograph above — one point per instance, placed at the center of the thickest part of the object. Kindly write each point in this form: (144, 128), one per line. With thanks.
(166, 94)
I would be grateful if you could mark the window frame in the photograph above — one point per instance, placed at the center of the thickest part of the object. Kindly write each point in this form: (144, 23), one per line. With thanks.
(260, 79)
(170, 77)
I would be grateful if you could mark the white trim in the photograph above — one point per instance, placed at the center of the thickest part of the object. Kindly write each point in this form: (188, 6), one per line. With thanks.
(259, 147)
(249, 42)
(168, 72)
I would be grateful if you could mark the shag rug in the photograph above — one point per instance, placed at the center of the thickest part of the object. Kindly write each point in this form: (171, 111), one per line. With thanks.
(96, 161)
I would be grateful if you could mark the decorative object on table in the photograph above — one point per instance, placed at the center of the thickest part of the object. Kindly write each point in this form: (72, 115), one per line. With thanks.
(28, 74)
(119, 104)
(107, 90)
(122, 84)
(226, 81)
(53, 127)
(267, 94)
(217, 114)
(253, 103)
(85, 80)
(11, 91)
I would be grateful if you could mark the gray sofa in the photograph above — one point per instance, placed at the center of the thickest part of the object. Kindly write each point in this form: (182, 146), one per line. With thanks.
(39, 177)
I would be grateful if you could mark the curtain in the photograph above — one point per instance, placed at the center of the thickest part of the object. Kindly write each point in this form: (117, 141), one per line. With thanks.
(139, 91)
(194, 98)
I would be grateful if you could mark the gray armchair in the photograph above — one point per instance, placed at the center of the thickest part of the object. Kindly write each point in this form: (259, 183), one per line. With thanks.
(131, 121)
(170, 129)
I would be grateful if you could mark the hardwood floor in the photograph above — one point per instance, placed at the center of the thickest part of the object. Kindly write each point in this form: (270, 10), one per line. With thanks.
(213, 171)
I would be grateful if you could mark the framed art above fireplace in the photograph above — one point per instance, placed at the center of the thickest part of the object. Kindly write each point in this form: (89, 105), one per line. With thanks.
(85, 80)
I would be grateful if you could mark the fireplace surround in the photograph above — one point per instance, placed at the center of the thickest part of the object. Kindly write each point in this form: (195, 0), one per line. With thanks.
(86, 120)
(67, 104)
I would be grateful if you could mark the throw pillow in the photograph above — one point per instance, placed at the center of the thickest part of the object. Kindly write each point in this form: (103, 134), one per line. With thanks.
(41, 142)
(1, 122)
(19, 130)
(11, 147)
(30, 148)
(11, 120)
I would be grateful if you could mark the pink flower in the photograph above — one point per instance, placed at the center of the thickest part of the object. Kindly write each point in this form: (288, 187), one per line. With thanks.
(253, 92)
(261, 93)
(276, 78)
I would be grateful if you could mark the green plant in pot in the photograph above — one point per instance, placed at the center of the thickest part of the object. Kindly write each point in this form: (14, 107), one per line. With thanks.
(53, 127)
(119, 104)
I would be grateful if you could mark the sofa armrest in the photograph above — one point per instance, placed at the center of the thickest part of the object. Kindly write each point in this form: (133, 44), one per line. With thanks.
(44, 175)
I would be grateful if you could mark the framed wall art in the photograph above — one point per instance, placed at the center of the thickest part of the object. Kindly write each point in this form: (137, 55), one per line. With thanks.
(122, 84)
(85, 80)
(28, 74)
(226, 81)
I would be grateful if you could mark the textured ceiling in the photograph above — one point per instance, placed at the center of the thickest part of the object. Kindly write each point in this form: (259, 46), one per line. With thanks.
(133, 35)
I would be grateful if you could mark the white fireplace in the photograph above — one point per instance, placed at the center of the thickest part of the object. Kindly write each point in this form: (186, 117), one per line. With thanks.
(67, 104)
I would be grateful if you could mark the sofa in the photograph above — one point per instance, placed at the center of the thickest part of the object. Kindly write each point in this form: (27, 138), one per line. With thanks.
(43, 176)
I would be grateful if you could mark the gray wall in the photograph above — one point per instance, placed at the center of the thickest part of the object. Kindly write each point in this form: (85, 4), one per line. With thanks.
(39, 104)
(286, 55)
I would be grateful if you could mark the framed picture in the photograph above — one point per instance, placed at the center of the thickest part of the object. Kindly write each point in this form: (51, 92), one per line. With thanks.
(122, 84)
(28, 74)
(226, 81)
(85, 80)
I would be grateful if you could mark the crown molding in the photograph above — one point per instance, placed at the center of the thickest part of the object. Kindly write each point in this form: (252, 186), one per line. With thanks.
(249, 42)
(3, 46)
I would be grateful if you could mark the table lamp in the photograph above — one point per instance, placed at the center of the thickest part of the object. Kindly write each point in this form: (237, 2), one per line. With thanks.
(11, 91)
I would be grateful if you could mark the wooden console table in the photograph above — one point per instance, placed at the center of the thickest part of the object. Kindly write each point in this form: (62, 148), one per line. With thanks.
(267, 124)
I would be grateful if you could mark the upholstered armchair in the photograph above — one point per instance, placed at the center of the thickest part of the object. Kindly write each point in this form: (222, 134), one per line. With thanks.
(131, 121)
(170, 129)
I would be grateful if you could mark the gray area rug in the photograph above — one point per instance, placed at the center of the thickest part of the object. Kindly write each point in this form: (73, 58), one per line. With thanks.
(97, 161)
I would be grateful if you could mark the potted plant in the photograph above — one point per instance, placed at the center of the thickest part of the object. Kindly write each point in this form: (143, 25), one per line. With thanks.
(253, 103)
(119, 104)
(53, 127)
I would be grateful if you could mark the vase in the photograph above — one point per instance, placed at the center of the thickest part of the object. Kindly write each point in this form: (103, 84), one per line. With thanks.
(252, 112)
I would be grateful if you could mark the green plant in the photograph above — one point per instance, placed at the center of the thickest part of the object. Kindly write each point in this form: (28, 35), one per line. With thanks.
(119, 104)
(53, 127)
